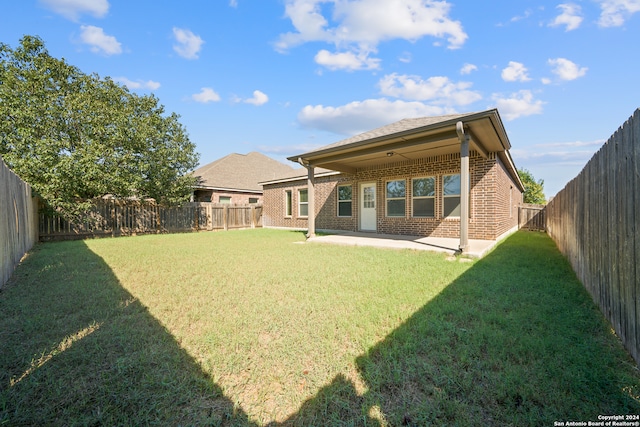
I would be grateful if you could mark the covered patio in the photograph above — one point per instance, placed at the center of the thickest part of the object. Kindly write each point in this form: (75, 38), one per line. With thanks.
(407, 142)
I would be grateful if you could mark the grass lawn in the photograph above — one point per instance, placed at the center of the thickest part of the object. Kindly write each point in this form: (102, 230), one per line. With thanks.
(256, 327)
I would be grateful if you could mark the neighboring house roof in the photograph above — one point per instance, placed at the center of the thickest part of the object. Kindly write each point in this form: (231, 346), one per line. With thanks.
(240, 172)
(413, 139)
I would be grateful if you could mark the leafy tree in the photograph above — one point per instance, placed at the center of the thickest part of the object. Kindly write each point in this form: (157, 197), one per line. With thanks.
(533, 190)
(75, 136)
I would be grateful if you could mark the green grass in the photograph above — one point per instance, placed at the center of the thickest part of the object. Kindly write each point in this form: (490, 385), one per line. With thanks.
(257, 328)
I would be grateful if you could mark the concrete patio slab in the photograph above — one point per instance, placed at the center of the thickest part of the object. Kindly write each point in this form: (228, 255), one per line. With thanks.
(476, 249)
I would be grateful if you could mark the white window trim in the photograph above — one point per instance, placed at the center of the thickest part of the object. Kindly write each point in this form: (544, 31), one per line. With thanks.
(344, 201)
(386, 199)
(300, 203)
(435, 192)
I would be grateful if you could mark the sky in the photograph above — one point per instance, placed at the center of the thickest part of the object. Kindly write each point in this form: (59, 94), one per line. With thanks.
(283, 77)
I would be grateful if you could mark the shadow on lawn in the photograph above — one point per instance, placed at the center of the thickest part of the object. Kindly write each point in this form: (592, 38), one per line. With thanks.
(516, 340)
(78, 349)
(501, 350)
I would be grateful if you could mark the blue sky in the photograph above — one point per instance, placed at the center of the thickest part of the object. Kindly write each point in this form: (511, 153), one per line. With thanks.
(285, 76)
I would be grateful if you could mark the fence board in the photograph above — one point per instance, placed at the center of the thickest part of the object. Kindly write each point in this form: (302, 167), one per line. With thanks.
(594, 221)
(122, 218)
(531, 217)
(18, 221)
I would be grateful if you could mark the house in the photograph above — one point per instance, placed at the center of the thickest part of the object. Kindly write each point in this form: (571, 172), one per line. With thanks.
(446, 176)
(235, 178)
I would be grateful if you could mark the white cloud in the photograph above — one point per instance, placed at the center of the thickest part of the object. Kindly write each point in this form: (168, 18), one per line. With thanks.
(517, 105)
(615, 12)
(559, 153)
(361, 116)
(259, 98)
(406, 57)
(188, 44)
(233, 3)
(346, 60)
(566, 70)
(359, 26)
(468, 69)
(570, 16)
(439, 90)
(527, 13)
(72, 9)
(138, 84)
(287, 150)
(206, 95)
(515, 72)
(99, 41)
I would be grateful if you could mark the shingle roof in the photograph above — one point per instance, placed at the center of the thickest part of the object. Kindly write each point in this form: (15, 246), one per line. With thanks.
(396, 127)
(241, 172)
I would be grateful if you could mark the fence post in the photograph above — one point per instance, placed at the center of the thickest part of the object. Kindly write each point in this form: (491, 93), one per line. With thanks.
(253, 216)
(196, 212)
(225, 217)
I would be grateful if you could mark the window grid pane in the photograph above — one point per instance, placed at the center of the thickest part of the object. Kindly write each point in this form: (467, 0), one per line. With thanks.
(452, 206)
(424, 207)
(344, 209)
(451, 185)
(344, 192)
(424, 187)
(369, 198)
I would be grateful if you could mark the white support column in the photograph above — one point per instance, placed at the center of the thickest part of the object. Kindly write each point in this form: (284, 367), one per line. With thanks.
(464, 187)
(312, 202)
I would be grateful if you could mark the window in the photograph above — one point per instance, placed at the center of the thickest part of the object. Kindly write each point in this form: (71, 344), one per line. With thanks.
(451, 195)
(344, 200)
(424, 197)
(225, 199)
(253, 200)
(395, 198)
(303, 202)
(288, 203)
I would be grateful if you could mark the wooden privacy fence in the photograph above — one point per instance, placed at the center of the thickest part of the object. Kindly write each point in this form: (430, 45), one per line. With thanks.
(110, 217)
(595, 221)
(531, 217)
(18, 221)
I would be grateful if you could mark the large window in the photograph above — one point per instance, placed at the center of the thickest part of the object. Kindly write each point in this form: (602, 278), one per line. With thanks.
(303, 202)
(344, 200)
(424, 197)
(396, 193)
(451, 195)
(226, 200)
(288, 203)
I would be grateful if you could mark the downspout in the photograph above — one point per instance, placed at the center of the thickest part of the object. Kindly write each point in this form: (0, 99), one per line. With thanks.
(464, 186)
(311, 207)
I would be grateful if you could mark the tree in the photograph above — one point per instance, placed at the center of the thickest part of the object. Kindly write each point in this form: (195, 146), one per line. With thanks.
(533, 190)
(75, 136)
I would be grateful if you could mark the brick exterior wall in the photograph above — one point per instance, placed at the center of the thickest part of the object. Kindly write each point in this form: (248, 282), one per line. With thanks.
(237, 198)
(490, 215)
